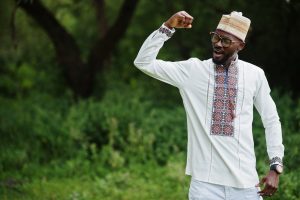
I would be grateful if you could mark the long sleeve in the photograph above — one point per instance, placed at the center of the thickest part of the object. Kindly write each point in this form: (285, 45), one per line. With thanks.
(268, 112)
(174, 73)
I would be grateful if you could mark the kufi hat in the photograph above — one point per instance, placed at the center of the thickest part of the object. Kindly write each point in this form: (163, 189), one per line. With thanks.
(235, 24)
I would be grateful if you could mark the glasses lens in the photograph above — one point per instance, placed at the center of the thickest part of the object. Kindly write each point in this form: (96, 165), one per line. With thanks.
(215, 38)
(226, 42)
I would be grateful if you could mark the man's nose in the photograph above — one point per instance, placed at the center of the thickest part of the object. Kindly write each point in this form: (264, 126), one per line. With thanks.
(218, 44)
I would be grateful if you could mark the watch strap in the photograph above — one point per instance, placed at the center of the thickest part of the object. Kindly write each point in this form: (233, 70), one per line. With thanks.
(274, 168)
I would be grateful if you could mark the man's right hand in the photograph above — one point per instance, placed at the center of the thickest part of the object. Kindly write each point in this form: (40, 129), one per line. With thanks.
(180, 20)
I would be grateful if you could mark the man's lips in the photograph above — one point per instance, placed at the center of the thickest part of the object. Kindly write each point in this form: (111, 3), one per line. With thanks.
(217, 53)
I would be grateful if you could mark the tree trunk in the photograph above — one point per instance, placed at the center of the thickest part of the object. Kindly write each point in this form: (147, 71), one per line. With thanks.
(105, 45)
(76, 73)
(79, 75)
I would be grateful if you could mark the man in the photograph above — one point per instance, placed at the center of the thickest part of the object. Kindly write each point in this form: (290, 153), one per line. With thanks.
(218, 95)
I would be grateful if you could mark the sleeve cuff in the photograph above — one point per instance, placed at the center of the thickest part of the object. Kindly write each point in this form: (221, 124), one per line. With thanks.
(165, 30)
(276, 160)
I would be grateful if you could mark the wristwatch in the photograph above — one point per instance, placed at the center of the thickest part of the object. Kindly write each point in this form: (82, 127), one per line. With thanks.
(277, 168)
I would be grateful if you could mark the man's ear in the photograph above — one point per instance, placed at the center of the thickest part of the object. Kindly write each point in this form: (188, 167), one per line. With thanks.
(241, 46)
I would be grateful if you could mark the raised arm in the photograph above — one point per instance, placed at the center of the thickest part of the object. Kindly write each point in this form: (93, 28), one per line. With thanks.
(174, 73)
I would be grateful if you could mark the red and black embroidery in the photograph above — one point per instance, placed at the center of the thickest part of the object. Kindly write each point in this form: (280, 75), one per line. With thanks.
(165, 31)
(276, 160)
(224, 101)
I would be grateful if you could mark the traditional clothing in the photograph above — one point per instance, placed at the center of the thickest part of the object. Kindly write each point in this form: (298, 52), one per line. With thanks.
(220, 140)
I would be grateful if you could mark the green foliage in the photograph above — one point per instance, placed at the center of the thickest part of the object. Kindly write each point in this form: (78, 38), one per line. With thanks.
(80, 20)
(120, 129)
(131, 142)
(52, 138)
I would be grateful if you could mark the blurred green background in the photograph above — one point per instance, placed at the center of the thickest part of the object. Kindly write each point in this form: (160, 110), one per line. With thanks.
(78, 121)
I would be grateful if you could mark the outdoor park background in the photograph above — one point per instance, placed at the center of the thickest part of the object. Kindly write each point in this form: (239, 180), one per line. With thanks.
(78, 121)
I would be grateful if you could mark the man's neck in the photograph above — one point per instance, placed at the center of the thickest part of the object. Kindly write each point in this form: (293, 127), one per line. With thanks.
(230, 61)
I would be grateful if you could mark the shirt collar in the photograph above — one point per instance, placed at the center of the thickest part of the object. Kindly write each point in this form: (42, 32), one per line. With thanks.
(232, 62)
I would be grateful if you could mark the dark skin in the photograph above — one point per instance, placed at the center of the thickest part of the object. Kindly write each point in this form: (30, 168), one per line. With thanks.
(225, 56)
(270, 183)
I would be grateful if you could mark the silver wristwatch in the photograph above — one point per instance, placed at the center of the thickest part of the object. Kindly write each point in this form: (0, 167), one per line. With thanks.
(277, 168)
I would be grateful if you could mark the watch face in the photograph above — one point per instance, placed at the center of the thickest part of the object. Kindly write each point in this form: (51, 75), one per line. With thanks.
(279, 169)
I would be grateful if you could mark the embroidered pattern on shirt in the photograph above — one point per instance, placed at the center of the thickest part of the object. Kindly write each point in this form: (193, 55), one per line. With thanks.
(165, 31)
(224, 101)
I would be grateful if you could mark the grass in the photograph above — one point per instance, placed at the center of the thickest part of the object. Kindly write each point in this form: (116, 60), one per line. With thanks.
(147, 182)
(138, 181)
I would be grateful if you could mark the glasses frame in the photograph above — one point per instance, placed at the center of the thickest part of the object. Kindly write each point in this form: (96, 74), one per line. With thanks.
(222, 39)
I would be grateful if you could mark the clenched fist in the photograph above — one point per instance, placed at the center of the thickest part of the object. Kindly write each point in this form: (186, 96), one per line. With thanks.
(180, 20)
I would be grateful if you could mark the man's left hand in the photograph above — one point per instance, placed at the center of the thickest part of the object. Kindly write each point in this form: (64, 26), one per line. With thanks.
(270, 183)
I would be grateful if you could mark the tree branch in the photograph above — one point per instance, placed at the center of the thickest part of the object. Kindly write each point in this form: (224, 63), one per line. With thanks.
(105, 45)
(67, 51)
(101, 17)
(59, 36)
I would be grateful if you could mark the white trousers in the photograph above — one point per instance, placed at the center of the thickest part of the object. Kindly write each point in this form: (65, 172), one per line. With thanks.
(206, 191)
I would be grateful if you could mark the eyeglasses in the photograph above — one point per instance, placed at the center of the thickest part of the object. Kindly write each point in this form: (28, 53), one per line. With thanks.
(226, 42)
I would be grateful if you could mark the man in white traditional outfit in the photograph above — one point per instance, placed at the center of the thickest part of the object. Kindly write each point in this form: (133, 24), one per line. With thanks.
(218, 96)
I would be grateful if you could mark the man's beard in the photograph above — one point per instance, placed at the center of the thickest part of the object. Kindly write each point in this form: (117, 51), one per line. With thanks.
(222, 61)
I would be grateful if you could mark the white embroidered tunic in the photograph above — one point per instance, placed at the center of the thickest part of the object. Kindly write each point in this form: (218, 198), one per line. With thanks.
(219, 111)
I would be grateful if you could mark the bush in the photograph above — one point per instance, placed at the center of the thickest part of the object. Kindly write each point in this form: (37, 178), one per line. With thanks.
(126, 127)
(120, 129)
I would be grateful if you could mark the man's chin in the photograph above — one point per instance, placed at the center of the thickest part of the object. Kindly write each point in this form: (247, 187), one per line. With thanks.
(218, 62)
